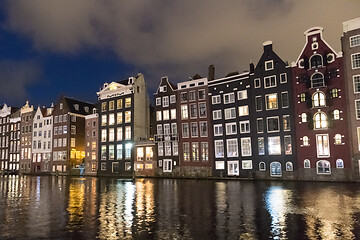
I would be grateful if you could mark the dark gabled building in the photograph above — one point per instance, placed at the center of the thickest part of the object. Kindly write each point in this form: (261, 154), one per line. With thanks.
(322, 134)
(123, 120)
(272, 117)
(27, 114)
(92, 143)
(166, 128)
(69, 135)
(230, 114)
(14, 148)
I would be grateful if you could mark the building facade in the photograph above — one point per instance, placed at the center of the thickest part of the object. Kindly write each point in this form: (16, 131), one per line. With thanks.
(271, 125)
(27, 115)
(230, 113)
(92, 143)
(123, 120)
(350, 42)
(42, 140)
(167, 132)
(145, 160)
(69, 135)
(14, 150)
(322, 139)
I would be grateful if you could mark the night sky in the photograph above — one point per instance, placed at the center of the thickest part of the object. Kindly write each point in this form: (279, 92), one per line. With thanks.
(49, 48)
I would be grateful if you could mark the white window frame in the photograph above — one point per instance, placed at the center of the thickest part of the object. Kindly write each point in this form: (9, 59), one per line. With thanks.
(223, 149)
(158, 101)
(306, 161)
(317, 168)
(241, 95)
(245, 109)
(244, 164)
(283, 74)
(165, 100)
(269, 77)
(231, 97)
(233, 173)
(352, 62)
(257, 83)
(257, 125)
(235, 140)
(358, 83)
(217, 126)
(243, 148)
(172, 99)
(272, 175)
(317, 146)
(356, 109)
(267, 124)
(279, 147)
(216, 99)
(262, 169)
(217, 114)
(246, 123)
(267, 105)
(219, 165)
(166, 166)
(282, 101)
(272, 65)
(228, 125)
(357, 40)
(229, 110)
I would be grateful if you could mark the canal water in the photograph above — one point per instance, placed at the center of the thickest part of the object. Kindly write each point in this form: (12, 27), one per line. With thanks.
(88, 208)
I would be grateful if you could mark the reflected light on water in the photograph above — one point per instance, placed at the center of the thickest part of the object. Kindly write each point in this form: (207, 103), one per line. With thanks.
(76, 203)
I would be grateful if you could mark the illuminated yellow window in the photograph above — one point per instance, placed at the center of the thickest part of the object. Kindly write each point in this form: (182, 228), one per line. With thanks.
(119, 104)
(119, 118)
(140, 154)
(128, 116)
(337, 138)
(148, 166)
(139, 166)
(271, 101)
(127, 102)
(103, 107)
(111, 105)
(149, 153)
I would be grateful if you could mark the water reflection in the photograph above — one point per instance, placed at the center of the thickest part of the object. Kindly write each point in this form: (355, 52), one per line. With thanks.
(88, 208)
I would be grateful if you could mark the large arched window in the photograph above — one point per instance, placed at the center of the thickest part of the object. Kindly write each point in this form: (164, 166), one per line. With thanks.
(317, 80)
(323, 167)
(319, 99)
(307, 163)
(289, 167)
(320, 120)
(275, 169)
(316, 60)
(262, 166)
(339, 163)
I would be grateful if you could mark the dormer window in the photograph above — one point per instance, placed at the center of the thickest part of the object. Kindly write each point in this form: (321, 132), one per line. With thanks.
(163, 89)
(269, 65)
(317, 80)
(94, 110)
(76, 106)
(86, 109)
(316, 61)
(61, 106)
(319, 99)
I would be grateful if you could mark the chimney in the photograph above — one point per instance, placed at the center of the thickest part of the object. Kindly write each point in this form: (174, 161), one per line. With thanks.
(267, 46)
(252, 67)
(211, 73)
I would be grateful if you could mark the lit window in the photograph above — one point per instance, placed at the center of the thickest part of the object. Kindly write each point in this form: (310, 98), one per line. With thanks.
(111, 105)
(336, 114)
(316, 61)
(289, 167)
(243, 110)
(242, 94)
(337, 139)
(287, 145)
(334, 93)
(317, 80)
(173, 113)
(319, 99)
(219, 148)
(127, 102)
(274, 145)
(302, 97)
(103, 107)
(103, 152)
(271, 101)
(111, 134)
(119, 118)
(355, 60)
(103, 135)
(246, 147)
(261, 146)
(204, 151)
(270, 81)
(307, 163)
(186, 151)
(166, 115)
(160, 149)
(286, 123)
(103, 120)
(175, 149)
(323, 167)
(305, 141)
(275, 169)
(128, 116)
(111, 152)
(111, 119)
(233, 168)
(262, 166)
(184, 112)
(158, 116)
(195, 151)
(219, 165)
(320, 120)
(119, 103)
(246, 164)
(303, 117)
(73, 143)
(339, 163)
(128, 147)
(322, 145)
(127, 132)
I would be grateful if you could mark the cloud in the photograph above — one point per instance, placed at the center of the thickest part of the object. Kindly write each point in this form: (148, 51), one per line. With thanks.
(15, 77)
(178, 38)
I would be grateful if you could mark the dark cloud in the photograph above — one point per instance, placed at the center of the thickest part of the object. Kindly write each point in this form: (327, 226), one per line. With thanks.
(15, 77)
(178, 38)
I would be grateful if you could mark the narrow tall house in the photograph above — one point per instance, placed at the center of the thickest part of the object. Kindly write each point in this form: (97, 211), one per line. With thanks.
(323, 144)
(42, 140)
(27, 115)
(231, 109)
(350, 43)
(123, 120)
(14, 150)
(92, 143)
(272, 129)
(196, 140)
(167, 133)
(69, 135)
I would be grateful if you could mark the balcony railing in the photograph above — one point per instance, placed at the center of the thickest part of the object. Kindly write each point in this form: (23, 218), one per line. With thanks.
(166, 137)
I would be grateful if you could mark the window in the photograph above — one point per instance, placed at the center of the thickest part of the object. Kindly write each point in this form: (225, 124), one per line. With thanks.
(354, 41)
(172, 99)
(65, 130)
(201, 94)
(233, 168)
(273, 124)
(111, 105)
(246, 147)
(186, 152)
(163, 89)
(336, 114)
(319, 99)
(316, 61)
(246, 164)
(111, 119)
(260, 125)
(302, 97)
(195, 151)
(158, 116)
(219, 148)
(167, 165)
(229, 98)
(103, 107)
(356, 80)
(202, 110)
(173, 113)
(183, 96)
(204, 151)
(194, 129)
(119, 103)
(167, 148)
(111, 152)
(243, 110)
(160, 149)
(322, 145)
(286, 122)
(275, 169)
(262, 166)
(271, 101)
(323, 167)
(339, 163)
(193, 110)
(307, 163)
(274, 145)
(334, 93)
(320, 120)
(166, 115)
(355, 60)
(242, 94)
(337, 139)
(216, 99)
(258, 103)
(283, 78)
(103, 120)
(257, 83)
(184, 112)
(230, 128)
(127, 166)
(128, 116)
(166, 129)
(270, 82)
(289, 167)
(103, 135)
(218, 130)
(165, 101)
(158, 101)
(219, 165)
(103, 152)
(174, 128)
(287, 145)
(357, 109)
(317, 80)
(127, 132)
(217, 114)
(159, 129)
(303, 117)
(111, 134)
(175, 149)
(119, 118)
(127, 102)
(285, 99)
(128, 147)
(305, 140)
(358, 137)
(269, 65)
(230, 113)
(261, 146)
(245, 126)
(192, 96)
(203, 129)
